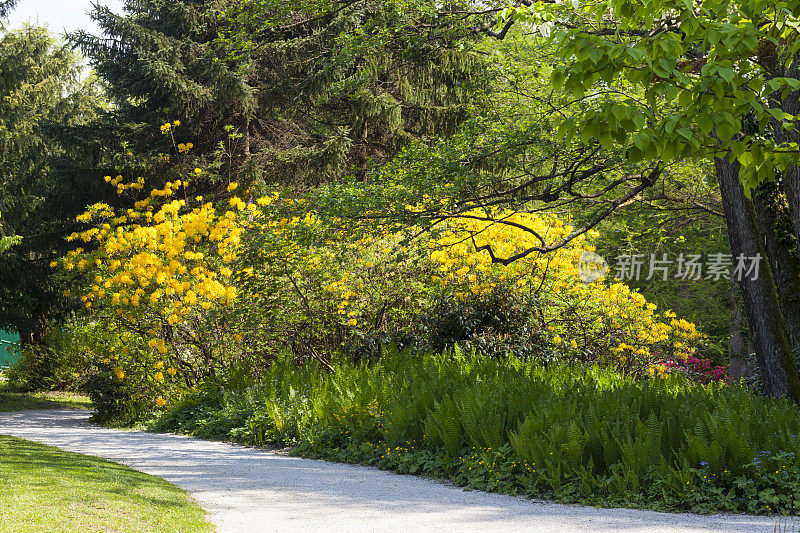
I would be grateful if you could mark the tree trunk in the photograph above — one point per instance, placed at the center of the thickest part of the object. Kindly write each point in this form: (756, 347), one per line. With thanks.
(784, 264)
(767, 328)
(32, 334)
(737, 351)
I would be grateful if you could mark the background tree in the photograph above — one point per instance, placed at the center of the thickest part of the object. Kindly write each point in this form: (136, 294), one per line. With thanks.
(7, 241)
(507, 155)
(41, 86)
(6, 6)
(305, 105)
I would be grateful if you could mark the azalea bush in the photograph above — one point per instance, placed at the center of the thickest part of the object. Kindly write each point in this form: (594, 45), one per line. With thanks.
(441, 288)
(694, 367)
(217, 287)
(123, 376)
(600, 320)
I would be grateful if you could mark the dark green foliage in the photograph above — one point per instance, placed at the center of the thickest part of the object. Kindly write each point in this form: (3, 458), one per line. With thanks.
(6, 7)
(578, 435)
(204, 414)
(40, 85)
(497, 324)
(110, 396)
(54, 364)
(311, 92)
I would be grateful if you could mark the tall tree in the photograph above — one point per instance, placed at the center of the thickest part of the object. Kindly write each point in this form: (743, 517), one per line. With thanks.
(40, 86)
(6, 6)
(681, 81)
(313, 91)
(659, 85)
(7, 241)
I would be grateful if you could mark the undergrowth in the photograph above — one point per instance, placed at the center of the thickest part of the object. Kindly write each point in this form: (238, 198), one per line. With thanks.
(585, 435)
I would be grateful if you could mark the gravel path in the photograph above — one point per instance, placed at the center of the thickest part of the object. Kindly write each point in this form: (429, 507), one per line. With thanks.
(253, 490)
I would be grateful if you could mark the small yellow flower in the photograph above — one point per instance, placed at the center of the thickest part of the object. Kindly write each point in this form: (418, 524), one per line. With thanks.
(177, 123)
(119, 373)
(232, 186)
(352, 322)
(556, 340)
(171, 371)
(198, 171)
(161, 402)
(159, 365)
(158, 376)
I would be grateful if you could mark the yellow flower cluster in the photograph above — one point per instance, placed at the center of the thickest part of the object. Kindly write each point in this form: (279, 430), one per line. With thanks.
(169, 259)
(157, 260)
(168, 127)
(122, 187)
(610, 311)
(576, 314)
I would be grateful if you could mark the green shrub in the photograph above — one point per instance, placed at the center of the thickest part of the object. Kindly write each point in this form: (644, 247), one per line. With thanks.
(59, 363)
(110, 396)
(579, 435)
(495, 324)
(126, 375)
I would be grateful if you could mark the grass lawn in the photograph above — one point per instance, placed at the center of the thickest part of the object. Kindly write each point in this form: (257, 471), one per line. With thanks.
(20, 401)
(44, 489)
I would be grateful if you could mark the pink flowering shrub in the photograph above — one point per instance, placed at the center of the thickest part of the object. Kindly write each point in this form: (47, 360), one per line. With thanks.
(700, 370)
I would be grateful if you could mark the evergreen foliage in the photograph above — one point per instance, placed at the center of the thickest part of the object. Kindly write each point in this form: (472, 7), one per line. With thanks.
(309, 92)
(6, 7)
(40, 86)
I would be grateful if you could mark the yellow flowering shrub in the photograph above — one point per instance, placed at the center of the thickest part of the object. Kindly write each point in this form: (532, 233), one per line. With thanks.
(592, 320)
(124, 373)
(383, 284)
(212, 286)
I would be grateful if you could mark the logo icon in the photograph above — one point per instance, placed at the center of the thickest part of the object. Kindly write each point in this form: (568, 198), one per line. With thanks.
(591, 266)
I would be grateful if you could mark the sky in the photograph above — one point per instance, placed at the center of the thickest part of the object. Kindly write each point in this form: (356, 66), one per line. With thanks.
(59, 15)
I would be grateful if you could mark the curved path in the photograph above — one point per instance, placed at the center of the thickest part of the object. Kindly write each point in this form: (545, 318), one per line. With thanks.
(253, 490)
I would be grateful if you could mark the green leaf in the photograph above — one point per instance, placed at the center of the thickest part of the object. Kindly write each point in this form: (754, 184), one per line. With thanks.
(706, 123)
(725, 132)
(557, 79)
(776, 113)
(727, 74)
(745, 158)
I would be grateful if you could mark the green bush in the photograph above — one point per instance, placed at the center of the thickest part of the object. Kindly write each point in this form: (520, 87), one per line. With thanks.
(59, 363)
(125, 375)
(578, 435)
(495, 324)
(110, 396)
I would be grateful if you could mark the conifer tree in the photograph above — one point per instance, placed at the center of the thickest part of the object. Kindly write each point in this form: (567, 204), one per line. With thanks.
(312, 93)
(40, 85)
(6, 6)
